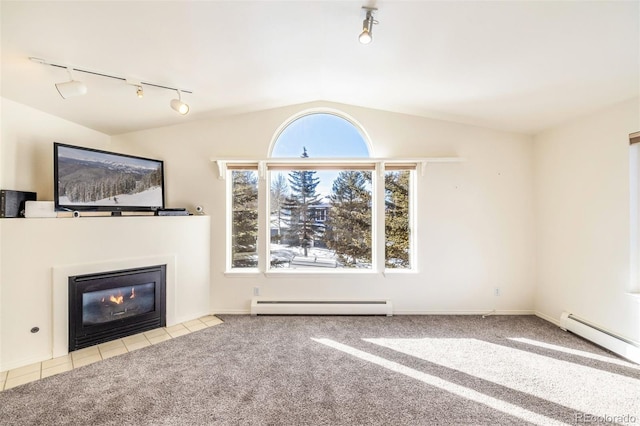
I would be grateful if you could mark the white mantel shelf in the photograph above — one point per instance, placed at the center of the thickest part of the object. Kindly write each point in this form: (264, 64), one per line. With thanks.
(33, 251)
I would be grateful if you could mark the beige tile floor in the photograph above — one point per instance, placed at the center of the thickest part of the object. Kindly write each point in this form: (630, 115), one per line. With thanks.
(86, 356)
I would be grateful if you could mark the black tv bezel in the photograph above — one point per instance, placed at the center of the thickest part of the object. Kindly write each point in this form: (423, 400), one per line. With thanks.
(97, 208)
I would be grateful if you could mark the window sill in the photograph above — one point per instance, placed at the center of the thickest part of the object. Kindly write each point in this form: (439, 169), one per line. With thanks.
(296, 273)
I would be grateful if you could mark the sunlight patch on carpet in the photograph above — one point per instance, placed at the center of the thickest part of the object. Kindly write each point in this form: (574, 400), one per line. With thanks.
(585, 389)
(461, 391)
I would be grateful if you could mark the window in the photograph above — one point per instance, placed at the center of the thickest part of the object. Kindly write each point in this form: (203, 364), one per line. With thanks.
(321, 218)
(398, 233)
(244, 219)
(326, 200)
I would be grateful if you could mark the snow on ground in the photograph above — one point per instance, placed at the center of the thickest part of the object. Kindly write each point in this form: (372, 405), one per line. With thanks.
(150, 198)
(283, 256)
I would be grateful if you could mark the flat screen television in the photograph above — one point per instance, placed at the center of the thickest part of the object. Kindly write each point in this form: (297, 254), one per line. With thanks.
(93, 180)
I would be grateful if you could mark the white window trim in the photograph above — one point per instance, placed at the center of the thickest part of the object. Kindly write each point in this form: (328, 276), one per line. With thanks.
(263, 165)
(225, 166)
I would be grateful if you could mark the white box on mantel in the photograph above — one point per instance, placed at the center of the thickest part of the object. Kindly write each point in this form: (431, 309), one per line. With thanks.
(39, 209)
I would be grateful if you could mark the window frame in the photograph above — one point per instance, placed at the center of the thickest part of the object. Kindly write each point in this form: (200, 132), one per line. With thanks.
(237, 166)
(413, 218)
(379, 166)
(327, 165)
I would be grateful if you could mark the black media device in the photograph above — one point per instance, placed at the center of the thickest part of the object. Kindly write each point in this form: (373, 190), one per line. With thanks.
(93, 180)
(12, 203)
(179, 211)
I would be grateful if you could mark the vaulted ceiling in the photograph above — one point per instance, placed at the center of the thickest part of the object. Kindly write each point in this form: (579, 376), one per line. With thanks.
(520, 66)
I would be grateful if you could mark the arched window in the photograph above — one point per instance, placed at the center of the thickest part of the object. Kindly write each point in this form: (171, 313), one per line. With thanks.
(323, 206)
(324, 135)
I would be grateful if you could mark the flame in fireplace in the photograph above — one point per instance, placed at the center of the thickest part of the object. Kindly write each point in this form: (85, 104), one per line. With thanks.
(116, 299)
(119, 299)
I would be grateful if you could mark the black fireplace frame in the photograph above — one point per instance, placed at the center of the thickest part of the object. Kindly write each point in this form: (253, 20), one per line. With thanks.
(82, 336)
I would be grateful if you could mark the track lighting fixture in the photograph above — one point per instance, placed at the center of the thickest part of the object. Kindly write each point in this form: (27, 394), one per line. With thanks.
(138, 86)
(76, 88)
(366, 36)
(69, 89)
(178, 105)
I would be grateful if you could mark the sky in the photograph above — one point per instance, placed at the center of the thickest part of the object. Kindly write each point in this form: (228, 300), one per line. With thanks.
(88, 154)
(324, 136)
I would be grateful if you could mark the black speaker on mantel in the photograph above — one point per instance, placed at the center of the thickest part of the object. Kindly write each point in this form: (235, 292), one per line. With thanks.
(12, 202)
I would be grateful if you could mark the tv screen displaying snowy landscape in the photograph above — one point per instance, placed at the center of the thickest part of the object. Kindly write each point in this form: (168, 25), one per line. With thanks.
(88, 179)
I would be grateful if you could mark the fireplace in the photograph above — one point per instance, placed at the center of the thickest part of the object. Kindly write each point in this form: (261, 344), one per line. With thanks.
(110, 305)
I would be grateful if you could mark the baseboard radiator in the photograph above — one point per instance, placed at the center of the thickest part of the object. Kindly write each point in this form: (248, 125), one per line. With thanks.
(273, 306)
(608, 340)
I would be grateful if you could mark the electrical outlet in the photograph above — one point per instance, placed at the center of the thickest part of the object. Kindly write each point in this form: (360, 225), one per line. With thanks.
(496, 291)
(256, 291)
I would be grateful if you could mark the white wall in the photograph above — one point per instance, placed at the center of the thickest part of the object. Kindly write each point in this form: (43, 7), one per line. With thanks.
(26, 146)
(475, 224)
(26, 152)
(31, 248)
(583, 220)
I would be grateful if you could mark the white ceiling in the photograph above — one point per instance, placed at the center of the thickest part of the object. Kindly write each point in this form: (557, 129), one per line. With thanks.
(515, 65)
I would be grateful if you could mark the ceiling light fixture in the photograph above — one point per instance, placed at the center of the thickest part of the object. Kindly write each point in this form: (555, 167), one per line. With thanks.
(77, 88)
(69, 89)
(138, 86)
(366, 36)
(178, 105)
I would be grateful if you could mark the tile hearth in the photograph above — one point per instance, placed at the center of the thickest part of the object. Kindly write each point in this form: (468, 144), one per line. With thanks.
(86, 356)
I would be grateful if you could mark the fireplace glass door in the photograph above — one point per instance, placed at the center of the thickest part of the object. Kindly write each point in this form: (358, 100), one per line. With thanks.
(111, 305)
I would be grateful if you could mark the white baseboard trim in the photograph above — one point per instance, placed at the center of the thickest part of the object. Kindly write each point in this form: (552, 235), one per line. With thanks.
(231, 312)
(22, 362)
(191, 317)
(487, 312)
(472, 312)
(548, 318)
(620, 345)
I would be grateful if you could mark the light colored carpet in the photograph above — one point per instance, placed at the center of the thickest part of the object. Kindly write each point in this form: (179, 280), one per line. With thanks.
(299, 370)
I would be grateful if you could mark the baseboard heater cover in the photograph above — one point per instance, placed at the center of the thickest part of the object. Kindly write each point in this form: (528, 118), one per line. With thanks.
(270, 306)
(608, 340)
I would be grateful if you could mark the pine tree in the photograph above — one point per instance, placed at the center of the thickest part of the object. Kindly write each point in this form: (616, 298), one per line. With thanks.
(396, 221)
(278, 194)
(299, 207)
(349, 221)
(244, 233)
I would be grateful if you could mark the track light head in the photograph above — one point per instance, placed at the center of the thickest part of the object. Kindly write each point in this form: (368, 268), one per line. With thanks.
(366, 36)
(138, 86)
(69, 89)
(179, 106)
(72, 88)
